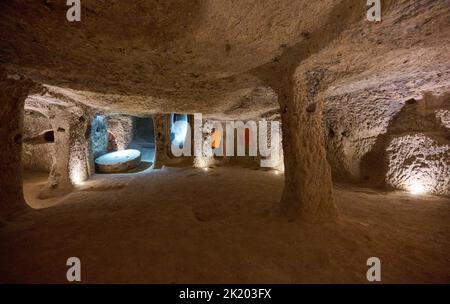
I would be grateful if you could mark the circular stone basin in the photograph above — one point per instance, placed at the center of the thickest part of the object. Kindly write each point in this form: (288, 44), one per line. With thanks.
(119, 161)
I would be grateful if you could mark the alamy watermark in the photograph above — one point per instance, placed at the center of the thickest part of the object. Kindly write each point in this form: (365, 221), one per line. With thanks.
(262, 138)
(374, 272)
(74, 12)
(73, 274)
(374, 11)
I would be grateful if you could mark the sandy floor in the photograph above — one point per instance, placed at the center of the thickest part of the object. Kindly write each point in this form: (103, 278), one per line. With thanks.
(221, 226)
(33, 183)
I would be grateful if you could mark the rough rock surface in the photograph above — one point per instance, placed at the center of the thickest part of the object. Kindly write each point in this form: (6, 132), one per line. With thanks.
(37, 156)
(157, 56)
(73, 154)
(162, 139)
(419, 164)
(444, 117)
(99, 136)
(366, 102)
(244, 60)
(13, 92)
(121, 219)
(120, 128)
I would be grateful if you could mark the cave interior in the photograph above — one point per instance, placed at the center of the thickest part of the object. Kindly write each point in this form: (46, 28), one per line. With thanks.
(362, 169)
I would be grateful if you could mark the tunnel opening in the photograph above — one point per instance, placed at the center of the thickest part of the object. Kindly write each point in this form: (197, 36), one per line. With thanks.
(122, 143)
(179, 124)
(38, 158)
(144, 138)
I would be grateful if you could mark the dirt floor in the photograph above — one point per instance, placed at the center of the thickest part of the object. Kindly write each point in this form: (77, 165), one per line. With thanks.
(221, 226)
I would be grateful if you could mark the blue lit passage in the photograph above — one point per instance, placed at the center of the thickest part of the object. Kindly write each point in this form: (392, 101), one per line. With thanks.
(178, 129)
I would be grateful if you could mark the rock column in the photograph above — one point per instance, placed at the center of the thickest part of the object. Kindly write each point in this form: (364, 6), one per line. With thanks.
(13, 92)
(307, 193)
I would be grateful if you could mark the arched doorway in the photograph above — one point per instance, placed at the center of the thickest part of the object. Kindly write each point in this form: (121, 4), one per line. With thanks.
(178, 129)
(38, 157)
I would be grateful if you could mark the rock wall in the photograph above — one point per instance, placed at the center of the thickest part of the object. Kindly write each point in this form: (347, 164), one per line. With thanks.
(203, 152)
(367, 134)
(71, 125)
(73, 156)
(13, 91)
(162, 139)
(377, 76)
(143, 129)
(99, 136)
(419, 164)
(37, 157)
(358, 124)
(120, 128)
(353, 123)
(444, 118)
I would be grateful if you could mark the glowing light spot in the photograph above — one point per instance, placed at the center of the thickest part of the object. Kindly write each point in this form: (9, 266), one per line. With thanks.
(78, 171)
(77, 177)
(179, 128)
(416, 188)
(201, 163)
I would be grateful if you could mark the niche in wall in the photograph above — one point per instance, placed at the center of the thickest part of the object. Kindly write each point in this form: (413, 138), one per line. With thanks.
(178, 129)
(117, 138)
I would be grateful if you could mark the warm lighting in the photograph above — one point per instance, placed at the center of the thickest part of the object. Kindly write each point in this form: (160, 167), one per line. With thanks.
(179, 128)
(205, 169)
(78, 173)
(76, 178)
(201, 163)
(419, 183)
(416, 188)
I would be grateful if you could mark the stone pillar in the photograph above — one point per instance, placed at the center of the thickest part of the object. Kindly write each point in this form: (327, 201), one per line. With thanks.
(162, 139)
(13, 92)
(204, 154)
(71, 165)
(307, 192)
(120, 128)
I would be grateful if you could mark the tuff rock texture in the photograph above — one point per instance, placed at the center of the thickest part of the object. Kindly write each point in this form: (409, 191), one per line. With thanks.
(99, 136)
(13, 92)
(120, 129)
(72, 157)
(419, 164)
(162, 143)
(338, 83)
(37, 155)
(362, 103)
